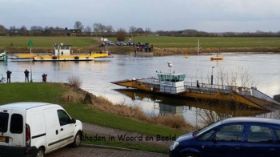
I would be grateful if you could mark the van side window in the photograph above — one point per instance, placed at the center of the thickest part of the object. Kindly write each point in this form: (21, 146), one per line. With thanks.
(64, 119)
(260, 134)
(16, 124)
(230, 133)
(4, 117)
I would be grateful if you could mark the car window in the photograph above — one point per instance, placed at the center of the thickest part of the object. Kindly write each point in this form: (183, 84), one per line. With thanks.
(206, 136)
(277, 131)
(206, 129)
(230, 133)
(260, 134)
(63, 117)
(16, 124)
(4, 117)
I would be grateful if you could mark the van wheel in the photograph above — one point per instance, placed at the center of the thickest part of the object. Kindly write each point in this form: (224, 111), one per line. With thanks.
(78, 139)
(40, 153)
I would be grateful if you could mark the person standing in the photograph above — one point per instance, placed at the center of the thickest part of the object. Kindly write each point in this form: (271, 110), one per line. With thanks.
(44, 78)
(26, 73)
(9, 73)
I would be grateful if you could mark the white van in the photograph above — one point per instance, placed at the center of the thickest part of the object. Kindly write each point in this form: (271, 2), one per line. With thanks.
(35, 129)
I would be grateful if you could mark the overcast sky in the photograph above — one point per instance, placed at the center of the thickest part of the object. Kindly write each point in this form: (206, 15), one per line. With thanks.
(205, 15)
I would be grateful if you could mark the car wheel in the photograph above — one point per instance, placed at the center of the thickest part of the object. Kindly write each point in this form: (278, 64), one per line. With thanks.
(40, 153)
(78, 140)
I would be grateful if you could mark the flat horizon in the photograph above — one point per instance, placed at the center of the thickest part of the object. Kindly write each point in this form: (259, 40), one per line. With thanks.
(208, 15)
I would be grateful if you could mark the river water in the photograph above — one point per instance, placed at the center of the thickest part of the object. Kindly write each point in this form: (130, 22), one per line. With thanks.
(260, 70)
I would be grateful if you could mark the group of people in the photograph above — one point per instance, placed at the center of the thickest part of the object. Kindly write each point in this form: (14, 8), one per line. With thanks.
(26, 75)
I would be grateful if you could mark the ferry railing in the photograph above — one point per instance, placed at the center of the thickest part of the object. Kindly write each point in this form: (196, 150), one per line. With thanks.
(202, 87)
(149, 80)
(258, 94)
(207, 87)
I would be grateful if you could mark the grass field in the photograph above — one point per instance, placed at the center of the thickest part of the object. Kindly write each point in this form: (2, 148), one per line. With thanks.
(211, 42)
(257, 43)
(45, 42)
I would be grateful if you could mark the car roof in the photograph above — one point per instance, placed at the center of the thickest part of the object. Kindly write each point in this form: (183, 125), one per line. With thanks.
(251, 120)
(26, 105)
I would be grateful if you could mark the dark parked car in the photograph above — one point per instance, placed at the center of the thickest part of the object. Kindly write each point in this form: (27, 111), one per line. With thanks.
(234, 137)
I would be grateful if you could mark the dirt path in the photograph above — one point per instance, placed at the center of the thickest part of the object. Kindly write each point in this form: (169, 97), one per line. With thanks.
(97, 152)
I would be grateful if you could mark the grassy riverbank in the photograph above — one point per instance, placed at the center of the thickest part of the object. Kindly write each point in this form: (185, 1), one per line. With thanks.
(45, 42)
(163, 45)
(211, 42)
(55, 93)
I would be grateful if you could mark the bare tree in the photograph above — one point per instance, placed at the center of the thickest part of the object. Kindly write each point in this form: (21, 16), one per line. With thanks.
(148, 30)
(23, 30)
(109, 29)
(99, 28)
(78, 25)
(87, 29)
(3, 30)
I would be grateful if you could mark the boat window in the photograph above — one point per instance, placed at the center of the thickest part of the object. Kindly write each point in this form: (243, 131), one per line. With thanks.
(4, 117)
(260, 134)
(16, 124)
(171, 77)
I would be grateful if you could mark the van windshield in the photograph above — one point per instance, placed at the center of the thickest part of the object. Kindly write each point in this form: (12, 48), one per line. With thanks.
(4, 117)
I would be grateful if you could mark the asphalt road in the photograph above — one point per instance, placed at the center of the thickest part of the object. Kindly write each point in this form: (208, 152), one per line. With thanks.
(99, 152)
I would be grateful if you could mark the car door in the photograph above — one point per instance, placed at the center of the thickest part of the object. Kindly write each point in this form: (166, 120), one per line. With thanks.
(277, 142)
(260, 141)
(52, 126)
(226, 142)
(67, 127)
(12, 134)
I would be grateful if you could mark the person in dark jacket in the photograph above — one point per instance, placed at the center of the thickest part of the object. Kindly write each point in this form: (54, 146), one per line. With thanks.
(9, 73)
(26, 74)
(44, 78)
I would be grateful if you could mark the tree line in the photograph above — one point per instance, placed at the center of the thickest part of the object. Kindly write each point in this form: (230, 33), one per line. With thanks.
(99, 29)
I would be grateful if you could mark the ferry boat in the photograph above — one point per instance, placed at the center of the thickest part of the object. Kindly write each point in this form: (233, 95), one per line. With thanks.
(217, 57)
(174, 85)
(3, 56)
(61, 52)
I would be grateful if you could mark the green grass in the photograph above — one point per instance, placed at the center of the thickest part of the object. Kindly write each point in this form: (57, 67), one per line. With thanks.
(94, 116)
(211, 42)
(45, 42)
(52, 93)
(157, 41)
(17, 92)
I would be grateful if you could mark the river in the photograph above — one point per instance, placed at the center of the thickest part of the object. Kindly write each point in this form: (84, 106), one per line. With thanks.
(260, 70)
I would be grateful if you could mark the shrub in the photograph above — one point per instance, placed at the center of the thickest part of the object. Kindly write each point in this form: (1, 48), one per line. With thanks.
(74, 81)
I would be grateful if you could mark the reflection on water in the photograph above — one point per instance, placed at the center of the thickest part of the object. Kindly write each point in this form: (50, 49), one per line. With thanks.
(96, 77)
(205, 111)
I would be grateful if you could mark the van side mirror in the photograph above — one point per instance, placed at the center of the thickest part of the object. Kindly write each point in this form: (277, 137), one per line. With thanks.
(73, 120)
